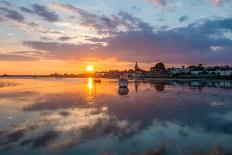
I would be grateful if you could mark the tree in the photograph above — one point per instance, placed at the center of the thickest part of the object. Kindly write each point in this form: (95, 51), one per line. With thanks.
(158, 68)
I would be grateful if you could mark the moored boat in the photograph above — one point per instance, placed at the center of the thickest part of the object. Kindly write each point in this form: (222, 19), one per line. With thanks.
(123, 82)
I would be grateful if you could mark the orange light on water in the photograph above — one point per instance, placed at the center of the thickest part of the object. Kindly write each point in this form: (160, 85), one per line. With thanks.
(90, 84)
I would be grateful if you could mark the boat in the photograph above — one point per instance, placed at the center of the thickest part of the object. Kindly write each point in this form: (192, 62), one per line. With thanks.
(97, 80)
(123, 82)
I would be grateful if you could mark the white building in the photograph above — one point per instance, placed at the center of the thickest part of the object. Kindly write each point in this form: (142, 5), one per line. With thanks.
(194, 72)
(225, 72)
(100, 74)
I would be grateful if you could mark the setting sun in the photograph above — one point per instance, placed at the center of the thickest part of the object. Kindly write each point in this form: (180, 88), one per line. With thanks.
(90, 68)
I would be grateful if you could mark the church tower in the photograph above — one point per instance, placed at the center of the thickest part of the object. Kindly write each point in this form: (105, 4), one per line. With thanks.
(136, 67)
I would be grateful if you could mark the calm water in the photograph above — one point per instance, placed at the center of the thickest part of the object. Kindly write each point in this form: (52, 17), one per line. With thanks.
(78, 117)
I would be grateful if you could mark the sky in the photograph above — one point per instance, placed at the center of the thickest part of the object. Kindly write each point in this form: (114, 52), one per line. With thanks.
(65, 36)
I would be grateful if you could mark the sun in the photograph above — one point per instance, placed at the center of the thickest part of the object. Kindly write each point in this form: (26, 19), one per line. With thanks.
(90, 68)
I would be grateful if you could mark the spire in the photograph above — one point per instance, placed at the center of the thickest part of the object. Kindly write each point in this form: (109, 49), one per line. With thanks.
(136, 66)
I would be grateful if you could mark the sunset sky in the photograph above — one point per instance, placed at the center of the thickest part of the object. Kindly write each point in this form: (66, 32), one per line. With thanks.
(65, 36)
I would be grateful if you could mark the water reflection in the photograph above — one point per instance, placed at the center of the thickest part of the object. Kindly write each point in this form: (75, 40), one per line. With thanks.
(90, 96)
(159, 85)
(80, 117)
(123, 90)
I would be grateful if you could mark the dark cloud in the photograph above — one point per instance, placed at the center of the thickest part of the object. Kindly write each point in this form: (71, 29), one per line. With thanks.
(190, 44)
(6, 3)
(16, 16)
(42, 11)
(24, 9)
(46, 38)
(183, 19)
(12, 14)
(64, 38)
(33, 24)
(63, 50)
(103, 24)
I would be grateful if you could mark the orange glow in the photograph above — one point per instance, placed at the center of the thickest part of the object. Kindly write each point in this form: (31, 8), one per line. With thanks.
(90, 84)
(90, 68)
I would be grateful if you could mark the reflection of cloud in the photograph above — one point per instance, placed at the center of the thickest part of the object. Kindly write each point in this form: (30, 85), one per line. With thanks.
(54, 102)
(45, 139)
(15, 135)
(187, 110)
(160, 2)
(219, 2)
(7, 84)
(66, 144)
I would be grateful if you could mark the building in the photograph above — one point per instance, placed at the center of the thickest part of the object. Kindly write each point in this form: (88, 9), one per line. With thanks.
(137, 69)
(225, 72)
(138, 72)
(176, 71)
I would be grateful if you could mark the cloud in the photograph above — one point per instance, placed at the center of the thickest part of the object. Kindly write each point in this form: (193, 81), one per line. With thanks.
(64, 38)
(12, 14)
(160, 2)
(24, 9)
(12, 57)
(182, 45)
(138, 40)
(183, 19)
(102, 24)
(63, 50)
(67, 7)
(219, 2)
(5, 3)
(42, 11)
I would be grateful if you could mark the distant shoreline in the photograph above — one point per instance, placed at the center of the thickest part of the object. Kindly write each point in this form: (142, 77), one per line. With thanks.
(164, 77)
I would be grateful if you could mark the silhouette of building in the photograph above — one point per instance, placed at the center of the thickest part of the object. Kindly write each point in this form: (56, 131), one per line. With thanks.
(138, 72)
(137, 69)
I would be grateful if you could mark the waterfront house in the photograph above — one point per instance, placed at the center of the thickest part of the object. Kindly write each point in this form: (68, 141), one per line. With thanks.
(176, 71)
(213, 71)
(225, 71)
(196, 70)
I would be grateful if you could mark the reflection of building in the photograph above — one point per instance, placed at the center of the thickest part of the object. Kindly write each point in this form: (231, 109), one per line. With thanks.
(136, 86)
(159, 85)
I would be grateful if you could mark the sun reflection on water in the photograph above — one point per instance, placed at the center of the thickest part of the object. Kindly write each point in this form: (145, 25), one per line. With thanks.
(90, 96)
(90, 84)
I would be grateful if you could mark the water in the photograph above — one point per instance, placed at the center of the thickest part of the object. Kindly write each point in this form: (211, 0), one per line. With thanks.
(78, 117)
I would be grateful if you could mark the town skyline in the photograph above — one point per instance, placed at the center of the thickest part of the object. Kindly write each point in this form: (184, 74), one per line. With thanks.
(137, 71)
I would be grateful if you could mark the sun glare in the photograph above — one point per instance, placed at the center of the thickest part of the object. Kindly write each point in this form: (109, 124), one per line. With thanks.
(90, 68)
